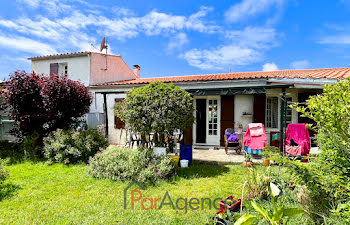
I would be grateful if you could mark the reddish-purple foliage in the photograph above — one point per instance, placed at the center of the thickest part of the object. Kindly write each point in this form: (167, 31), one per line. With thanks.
(44, 103)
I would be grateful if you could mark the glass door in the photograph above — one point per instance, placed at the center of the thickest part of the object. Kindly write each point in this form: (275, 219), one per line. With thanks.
(213, 126)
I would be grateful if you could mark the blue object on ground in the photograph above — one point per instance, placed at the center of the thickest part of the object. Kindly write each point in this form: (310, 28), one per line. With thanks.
(186, 152)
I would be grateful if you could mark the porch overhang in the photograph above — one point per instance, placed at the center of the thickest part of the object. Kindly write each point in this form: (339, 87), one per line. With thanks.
(236, 90)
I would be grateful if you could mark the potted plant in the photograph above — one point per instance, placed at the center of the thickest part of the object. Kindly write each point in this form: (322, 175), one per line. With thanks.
(240, 128)
(267, 155)
(247, 160)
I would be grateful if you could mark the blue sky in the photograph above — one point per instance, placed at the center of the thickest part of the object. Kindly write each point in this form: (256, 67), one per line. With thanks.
(181, 37)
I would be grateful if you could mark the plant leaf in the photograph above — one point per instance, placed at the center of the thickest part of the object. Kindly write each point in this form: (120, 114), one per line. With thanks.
(261, 210)
(290, 212)
(278, 214)
(246, 220)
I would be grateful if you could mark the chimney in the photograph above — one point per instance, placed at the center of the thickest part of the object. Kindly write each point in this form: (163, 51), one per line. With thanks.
(137, 71)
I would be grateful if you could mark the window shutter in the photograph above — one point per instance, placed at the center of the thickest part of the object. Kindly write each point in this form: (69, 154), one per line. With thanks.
(53, 68)
(118, 123)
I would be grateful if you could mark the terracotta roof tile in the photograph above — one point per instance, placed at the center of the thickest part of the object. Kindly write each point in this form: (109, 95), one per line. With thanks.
(331, 73)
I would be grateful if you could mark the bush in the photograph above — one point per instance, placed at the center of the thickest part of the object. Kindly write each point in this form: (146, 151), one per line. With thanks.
(3, 172)
(159, 108)
(130, 164)
(327, 176)
(42, 104)
(11, 151)
(67, 146)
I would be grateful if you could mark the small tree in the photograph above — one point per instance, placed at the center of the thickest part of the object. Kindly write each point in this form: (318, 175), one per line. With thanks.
(157, 108)
(40, 104)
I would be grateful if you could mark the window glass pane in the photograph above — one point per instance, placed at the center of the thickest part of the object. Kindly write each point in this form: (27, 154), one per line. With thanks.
(212, 117)
(272, 112)
(289, 111)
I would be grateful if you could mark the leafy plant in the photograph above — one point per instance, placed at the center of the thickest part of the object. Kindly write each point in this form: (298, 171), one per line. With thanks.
(3, 173)
(247, 157)
(279, 215)
(327, 176)
(257, 183)
(10, 150)
(31, 147)
(42, 104)
(130, 164)
(157, 108)
(68, 146)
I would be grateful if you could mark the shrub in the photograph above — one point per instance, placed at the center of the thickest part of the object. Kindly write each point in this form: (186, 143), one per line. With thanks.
(43, 104)
(68, 146)
(158, 107)
(130, 164)
(30, 146)
(327, 176)
(3, 172)
(10, 150)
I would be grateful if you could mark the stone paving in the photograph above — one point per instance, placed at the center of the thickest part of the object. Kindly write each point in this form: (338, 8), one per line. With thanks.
(221, 156)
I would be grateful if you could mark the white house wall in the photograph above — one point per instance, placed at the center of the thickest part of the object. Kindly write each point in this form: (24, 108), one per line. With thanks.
(243, 104)
(78, 67)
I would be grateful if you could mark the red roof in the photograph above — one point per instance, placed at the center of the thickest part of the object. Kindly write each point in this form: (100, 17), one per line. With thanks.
(331, 73)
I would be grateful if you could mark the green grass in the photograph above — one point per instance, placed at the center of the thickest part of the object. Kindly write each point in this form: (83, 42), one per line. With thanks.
(37, 193)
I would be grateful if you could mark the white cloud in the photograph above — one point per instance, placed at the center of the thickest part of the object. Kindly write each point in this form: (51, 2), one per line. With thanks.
(246, 46)
(341, 39)
(26, 45)
(302, 64)
(270, 67)
(257, 37)
(249, 8)
(177, 41)
(31, 3)
(74, 31)
(122, 12)
(229, 55)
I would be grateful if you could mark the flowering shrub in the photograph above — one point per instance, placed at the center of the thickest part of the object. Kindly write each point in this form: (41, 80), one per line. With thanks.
(130, 164)
(43, 104)
(69, 146)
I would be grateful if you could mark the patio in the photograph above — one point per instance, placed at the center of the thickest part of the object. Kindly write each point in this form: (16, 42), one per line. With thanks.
(220, 155)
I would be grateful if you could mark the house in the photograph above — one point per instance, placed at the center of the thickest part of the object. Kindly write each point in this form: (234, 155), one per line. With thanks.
(90, 68)
(221, 100)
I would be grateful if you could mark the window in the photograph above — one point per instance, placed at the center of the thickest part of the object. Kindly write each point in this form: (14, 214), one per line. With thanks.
(53, 68)
(66, 69)
(272, 112)
(213, 117)
(59, 68)
(289, 111)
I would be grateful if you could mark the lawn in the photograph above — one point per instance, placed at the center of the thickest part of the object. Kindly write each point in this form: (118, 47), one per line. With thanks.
(37, 193)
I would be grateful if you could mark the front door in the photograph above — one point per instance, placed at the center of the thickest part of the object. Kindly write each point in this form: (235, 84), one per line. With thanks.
(213, 121)
(201, 120)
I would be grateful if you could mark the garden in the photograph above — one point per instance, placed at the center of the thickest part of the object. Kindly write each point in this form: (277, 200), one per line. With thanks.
(59, 173)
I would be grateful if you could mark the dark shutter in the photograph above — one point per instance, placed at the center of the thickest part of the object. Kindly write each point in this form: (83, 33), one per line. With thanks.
(188, 136)
(118, 123)
(227, 115)
(54, 68)
(259, 108)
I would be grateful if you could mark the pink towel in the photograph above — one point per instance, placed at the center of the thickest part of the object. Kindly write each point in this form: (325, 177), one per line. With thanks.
(255, 142)
(256, 129)
(300, 134)
(293, 150)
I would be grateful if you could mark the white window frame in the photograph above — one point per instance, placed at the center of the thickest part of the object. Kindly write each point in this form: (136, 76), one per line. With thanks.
(291, 93)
